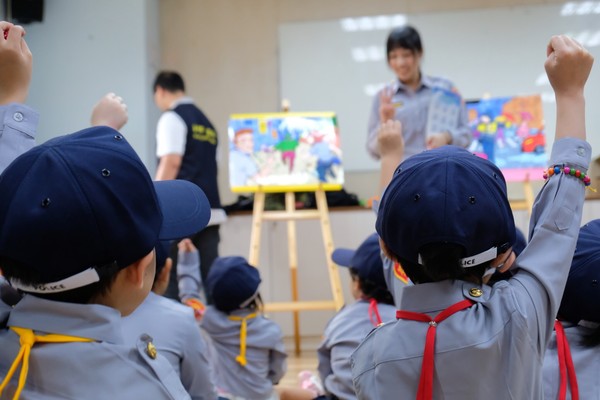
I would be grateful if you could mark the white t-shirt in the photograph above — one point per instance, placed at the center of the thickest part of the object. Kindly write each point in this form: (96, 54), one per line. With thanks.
(171, 131)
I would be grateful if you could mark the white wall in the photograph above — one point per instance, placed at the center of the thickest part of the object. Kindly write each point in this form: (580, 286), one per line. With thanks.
(84, 49)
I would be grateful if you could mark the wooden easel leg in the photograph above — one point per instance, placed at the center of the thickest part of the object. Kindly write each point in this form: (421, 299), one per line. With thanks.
(528, 192)
(290, 207)
(334, 275)
(257, 218)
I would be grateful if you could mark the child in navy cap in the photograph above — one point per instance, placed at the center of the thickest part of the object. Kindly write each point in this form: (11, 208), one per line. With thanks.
(446, 219)
(175, 331)
(345, 331)
(79, 219)
(247, 354)
(573, 357)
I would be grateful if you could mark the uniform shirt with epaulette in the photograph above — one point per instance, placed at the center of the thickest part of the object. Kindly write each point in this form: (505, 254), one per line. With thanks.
(494, 349)
(265, 353)
(177, 337)
(106, 368)
(342, 336)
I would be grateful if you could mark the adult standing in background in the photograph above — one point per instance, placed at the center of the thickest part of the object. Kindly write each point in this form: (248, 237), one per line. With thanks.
(408, 99)
(186, 146)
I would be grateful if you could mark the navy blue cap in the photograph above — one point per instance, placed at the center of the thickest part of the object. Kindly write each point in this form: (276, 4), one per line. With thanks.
(232, 283)
(446, 195)
(84, 200)
(581, 299)
(366, 260)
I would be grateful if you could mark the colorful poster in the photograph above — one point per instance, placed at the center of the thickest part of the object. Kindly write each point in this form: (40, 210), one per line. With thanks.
(509, 131)
(281, 152)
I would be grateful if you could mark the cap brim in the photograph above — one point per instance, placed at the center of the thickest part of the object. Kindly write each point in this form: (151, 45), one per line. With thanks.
(184, 206)
(342, 257)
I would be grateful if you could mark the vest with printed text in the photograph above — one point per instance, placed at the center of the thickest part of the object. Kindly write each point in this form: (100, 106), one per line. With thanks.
(199, 163)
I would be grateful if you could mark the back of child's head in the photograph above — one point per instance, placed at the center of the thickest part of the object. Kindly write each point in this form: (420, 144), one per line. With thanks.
(365, 265)
(77, 209)
(171, 81)
(233, 284)
(445, 215)
(404, 37)
(581, 299)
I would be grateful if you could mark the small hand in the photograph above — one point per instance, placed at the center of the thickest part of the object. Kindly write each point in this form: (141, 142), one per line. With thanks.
(387, 110)
(111, 111)
(568, 65)
(186, 245)
(440, 139)
(389, 138)
(15, 64)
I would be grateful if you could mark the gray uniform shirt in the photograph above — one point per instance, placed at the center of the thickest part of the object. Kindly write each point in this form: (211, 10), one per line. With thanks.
(17, 131)
(265, 354)
(413, 111)
(188, 276)
(585, 359)
(342, 336)
(495, 349)
(177, 337)
(105, 369)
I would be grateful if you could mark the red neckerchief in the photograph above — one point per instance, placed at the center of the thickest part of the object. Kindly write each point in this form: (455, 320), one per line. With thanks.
(565, 364)
(374, 316)
(425, 391)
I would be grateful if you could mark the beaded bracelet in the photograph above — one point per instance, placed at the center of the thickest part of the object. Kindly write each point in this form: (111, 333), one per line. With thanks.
(557, 169)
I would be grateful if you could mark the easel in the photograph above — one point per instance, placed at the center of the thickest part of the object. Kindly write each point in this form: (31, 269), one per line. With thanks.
(291, 214)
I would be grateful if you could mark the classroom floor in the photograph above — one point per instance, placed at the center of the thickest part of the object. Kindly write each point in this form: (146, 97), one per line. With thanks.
(307, 360)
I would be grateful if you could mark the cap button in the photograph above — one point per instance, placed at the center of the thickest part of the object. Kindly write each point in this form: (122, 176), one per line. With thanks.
(151, 350)
(475, 292)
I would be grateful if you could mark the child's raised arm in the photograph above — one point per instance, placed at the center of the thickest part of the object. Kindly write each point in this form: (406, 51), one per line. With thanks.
(568, 66)
(111, 111)
(15, 64)
(391, 150)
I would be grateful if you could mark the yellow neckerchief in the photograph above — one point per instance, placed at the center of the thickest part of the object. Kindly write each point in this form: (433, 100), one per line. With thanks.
(241, 358)
(28, 339)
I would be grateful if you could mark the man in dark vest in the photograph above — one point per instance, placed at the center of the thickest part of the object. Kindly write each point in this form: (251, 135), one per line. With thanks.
(186, 146)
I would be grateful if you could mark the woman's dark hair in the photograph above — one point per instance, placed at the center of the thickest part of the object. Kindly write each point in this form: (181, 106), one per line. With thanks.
(404, 37)
(442, 262)
(170, 81)
(15, 270)
(372, 290)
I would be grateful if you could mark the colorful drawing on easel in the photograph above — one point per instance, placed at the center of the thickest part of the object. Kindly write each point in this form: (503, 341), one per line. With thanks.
(509, 131)
(284, 152)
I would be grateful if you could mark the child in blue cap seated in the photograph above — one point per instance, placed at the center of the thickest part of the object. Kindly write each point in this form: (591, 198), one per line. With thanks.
(445, 217)
(79, 220)
(345, 331)
(572, 359)
(247, 352)
(174, 331)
